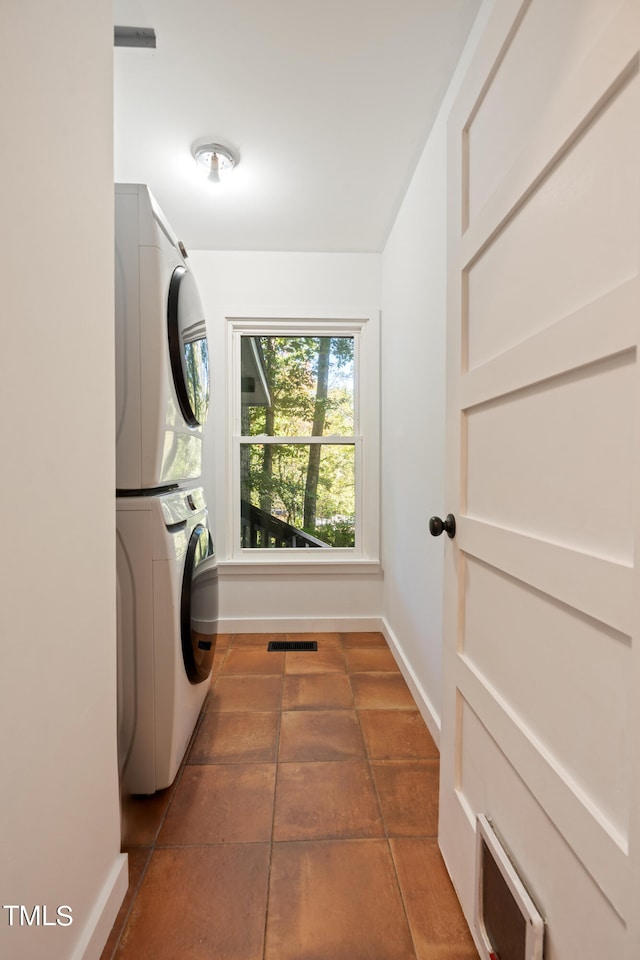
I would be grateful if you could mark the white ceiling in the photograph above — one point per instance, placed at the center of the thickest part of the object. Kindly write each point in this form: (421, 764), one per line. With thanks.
(329, 105)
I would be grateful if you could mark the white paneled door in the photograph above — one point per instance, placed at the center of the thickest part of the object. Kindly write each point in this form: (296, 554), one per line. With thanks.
(541, 710)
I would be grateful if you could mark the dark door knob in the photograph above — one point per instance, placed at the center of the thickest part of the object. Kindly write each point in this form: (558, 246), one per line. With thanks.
(436, 526)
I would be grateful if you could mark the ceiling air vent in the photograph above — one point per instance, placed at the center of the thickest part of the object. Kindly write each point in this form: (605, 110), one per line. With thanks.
(134, 37)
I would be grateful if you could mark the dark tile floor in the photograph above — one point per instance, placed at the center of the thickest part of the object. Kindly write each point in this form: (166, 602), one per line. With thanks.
(303, 823)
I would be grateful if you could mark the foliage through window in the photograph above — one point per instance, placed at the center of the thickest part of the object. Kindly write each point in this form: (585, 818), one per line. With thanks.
(299, 434)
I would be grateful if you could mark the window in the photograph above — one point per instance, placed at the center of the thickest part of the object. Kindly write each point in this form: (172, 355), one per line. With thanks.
(304, 479)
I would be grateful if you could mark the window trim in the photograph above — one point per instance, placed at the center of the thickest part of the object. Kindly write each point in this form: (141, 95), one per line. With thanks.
(363, 325)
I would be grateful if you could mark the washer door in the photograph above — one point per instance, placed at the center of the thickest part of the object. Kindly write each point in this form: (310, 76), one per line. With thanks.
(126, 654)
(188, 348)
(197, 648)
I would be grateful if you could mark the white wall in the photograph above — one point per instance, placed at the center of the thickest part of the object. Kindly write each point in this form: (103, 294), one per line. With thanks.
(59, 811)
(414, 281)
(249, 284)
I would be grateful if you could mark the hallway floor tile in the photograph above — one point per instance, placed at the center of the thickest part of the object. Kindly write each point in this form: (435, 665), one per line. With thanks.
(303, 820)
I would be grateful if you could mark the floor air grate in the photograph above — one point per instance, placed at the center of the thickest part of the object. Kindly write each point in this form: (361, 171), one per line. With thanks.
(292, 645)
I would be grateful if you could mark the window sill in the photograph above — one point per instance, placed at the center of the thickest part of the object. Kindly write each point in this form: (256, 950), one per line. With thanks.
(274, 566)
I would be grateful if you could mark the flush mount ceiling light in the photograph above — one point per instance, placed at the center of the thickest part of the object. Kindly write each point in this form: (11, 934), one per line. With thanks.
(215, 160)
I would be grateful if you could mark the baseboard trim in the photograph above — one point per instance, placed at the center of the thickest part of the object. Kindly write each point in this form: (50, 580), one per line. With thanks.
(300, 625)
(426, 708)
(104, 913)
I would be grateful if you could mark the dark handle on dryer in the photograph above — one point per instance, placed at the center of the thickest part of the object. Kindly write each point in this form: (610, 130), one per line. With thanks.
(436, 526)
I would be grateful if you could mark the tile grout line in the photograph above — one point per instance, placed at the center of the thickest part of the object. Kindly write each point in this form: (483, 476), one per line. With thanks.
(386, 835)
(401, 895)
(273, 811)
(134, 897)
(174, 786)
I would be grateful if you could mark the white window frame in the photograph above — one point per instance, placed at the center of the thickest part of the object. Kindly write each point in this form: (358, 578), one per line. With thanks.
(364, 327)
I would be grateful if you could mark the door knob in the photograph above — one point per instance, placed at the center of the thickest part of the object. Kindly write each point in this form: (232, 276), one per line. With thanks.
(436, 526)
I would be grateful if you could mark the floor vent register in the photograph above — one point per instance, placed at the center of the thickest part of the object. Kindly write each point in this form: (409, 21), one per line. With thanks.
(279, 645)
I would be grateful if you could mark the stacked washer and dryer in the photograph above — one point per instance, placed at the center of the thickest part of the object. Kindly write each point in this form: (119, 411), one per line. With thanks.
(166, 567)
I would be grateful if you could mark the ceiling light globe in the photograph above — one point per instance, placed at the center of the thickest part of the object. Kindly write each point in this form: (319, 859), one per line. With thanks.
(214, 160)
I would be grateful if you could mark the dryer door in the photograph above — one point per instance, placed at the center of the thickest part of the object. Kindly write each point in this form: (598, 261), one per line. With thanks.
(198, 648)
(188, 348)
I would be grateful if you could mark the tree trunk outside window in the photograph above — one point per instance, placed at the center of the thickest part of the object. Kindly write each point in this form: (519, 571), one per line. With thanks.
(315, 449)
(267, 453)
